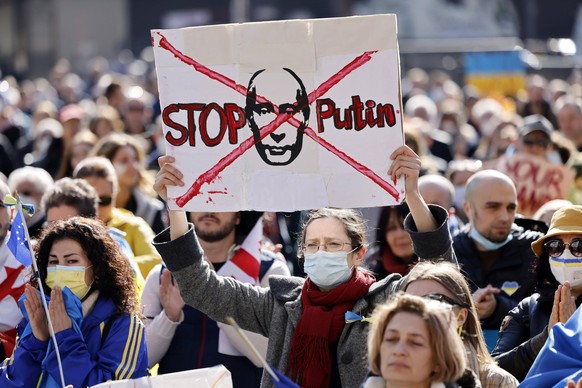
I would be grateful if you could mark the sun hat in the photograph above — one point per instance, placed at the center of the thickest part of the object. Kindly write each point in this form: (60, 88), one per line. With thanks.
(566, 220)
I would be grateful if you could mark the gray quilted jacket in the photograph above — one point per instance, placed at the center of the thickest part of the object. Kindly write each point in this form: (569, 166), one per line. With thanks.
(275, 311)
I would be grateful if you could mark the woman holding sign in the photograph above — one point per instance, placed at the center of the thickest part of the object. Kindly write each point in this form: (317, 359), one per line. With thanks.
(309, 339)
(92, 309)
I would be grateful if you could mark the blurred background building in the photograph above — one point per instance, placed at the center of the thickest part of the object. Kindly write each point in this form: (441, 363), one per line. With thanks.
(433, 34)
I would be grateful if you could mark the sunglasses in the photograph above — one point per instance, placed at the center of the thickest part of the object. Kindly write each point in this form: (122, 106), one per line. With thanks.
(555, 248)
(544, 143)
(442, 298)
(105, 200)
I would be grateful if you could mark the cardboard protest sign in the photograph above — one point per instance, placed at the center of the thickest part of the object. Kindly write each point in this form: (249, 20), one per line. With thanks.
(215, 377)
(537, 181)
(282, 116)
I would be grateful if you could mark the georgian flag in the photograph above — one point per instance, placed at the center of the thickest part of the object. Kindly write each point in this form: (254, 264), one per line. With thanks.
(244, 266)
(246, 262)
(12, 279)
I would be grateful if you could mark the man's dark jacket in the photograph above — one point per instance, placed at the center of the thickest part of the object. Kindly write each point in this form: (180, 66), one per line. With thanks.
(512, 269)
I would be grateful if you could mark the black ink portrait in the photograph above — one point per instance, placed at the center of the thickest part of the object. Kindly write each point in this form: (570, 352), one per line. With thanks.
(284, 144)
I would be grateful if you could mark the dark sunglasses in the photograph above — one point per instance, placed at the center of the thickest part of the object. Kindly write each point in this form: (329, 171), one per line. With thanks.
(555, 248)
(442, 298)
(544, 143)
(105, 200)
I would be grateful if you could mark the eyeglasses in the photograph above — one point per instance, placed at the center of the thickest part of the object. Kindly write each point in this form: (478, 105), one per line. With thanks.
(555, 248)
(442, 298)
(105, 200)
(544, 143)
(329, 246)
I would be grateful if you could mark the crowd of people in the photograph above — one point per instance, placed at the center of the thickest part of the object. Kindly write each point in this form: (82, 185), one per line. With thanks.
(461, 285)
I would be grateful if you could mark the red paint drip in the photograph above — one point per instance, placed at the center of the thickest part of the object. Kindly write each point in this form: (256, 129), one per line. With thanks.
(216, 192)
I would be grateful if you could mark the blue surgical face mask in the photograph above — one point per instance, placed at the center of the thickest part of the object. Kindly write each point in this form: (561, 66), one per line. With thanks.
(486, 243)
(327, 269)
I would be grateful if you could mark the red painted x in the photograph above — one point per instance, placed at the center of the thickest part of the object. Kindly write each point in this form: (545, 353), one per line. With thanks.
(281, 118)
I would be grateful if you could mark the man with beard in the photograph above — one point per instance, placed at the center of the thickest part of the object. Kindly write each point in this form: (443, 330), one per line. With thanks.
(494, 253)
(181, 338)
(11, 281)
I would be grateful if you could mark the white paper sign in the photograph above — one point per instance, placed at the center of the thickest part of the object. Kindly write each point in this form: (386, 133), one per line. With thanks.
(214, 377)
(282, 116)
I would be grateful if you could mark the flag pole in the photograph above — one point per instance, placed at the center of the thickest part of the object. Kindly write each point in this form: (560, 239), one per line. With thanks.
(232, 322)
(43, 296)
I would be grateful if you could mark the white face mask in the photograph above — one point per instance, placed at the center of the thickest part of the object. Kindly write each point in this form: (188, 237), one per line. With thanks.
(327, 269)
(120, 168)
(567, 267)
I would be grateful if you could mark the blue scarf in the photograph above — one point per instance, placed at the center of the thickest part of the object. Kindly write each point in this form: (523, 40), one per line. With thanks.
(561, 357)
(75, 312)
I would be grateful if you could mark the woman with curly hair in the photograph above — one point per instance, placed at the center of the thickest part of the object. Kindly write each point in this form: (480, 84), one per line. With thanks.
(93, 309)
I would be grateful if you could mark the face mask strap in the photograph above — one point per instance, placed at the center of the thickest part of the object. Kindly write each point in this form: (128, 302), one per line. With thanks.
(460, 330)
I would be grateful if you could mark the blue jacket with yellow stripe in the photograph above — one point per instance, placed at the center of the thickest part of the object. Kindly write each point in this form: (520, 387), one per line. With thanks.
(92, 352)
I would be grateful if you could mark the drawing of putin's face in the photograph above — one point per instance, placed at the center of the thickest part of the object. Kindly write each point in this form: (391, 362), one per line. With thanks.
(283, 145)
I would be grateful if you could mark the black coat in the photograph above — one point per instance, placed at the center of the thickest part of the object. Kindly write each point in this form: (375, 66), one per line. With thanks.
(513, 265)
(523, 334)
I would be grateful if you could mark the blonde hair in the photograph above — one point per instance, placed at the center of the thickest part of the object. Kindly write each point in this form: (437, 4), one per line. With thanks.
(447, 275)
(447, 348)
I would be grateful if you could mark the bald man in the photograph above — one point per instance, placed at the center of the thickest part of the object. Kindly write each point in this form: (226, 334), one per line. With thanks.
(438, 190)
(494, 253)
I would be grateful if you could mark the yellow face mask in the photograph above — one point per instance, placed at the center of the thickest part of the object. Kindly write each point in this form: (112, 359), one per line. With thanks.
(72, 277)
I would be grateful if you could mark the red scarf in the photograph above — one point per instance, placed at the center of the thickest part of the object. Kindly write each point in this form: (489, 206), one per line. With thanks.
(320, 326)
(393, 264)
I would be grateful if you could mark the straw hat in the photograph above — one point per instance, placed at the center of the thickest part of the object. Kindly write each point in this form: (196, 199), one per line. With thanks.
(566, 220)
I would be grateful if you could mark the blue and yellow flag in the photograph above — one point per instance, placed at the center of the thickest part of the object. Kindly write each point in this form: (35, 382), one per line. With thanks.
(561, 357)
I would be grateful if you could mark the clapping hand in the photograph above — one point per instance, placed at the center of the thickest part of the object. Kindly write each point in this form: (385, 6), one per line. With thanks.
(58, 312)
(564, 305)
(485, 301)
(170, 297)
(36, 315)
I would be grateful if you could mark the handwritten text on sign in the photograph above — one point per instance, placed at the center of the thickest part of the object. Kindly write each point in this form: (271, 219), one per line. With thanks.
(227, 89)
(537, 181)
